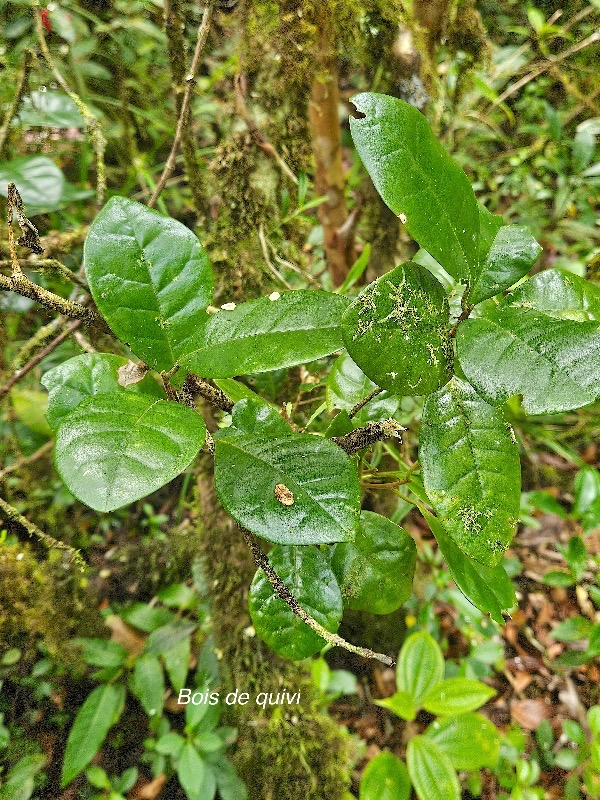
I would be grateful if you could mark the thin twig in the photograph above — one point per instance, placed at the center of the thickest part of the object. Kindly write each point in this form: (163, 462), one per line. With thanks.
(19, 91)
(20, 373)
(465, 313)
(26, 461)
(272, 267)
(255, 132)
(47, 265)
(362, 403)
(282, 591)
(96, 135)
(12, 515)
(190, 85)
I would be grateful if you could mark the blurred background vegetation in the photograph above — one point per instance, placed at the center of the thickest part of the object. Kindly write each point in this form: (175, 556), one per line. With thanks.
(268, 179)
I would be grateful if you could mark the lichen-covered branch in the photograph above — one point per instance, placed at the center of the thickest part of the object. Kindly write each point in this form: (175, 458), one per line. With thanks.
(195, 385)
(22, 82)
(288, 598)
(369, 434)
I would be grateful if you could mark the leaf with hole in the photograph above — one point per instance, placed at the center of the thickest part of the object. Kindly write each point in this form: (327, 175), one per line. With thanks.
(320, 476)
(150, 278)
(397, 331)
(307, 574)
(417, 179)
(376, 570)
(114, 448)
(471, 470)
(264, 335)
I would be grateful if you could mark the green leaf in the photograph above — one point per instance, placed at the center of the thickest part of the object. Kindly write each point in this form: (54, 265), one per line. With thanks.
(457, 696)
(102, 652)
(100, 711)
(114, 448)
(513, 252)
(150, 278)
(231, 787)
(259, 418)
(420, 666)
(471, 470)
(417, 179)
(168, 636)
(170, 744)
(320, 476)
(375, 571)
(401, 704)
(39, 181)
(470, 740)
(264, 335)
(488, 588)
(190, 771)
(397, 331)
(308, 576)
(347, 385)
(431, 772)
(84, 376)
(148, 684)
(559, 294)
(385, 778)
(177, 661)
(518, 348)
(29, 407)
(50, 110)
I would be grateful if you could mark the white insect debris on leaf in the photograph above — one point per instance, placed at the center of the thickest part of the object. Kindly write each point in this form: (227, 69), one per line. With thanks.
(274, 296)
(228, 306)
(284, 495)
(402, 218)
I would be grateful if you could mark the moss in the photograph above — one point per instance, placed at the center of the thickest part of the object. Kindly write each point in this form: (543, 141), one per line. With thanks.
(42, 601)
(281, 754)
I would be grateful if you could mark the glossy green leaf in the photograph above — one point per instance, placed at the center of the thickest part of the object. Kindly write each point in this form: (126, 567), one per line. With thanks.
(177, 661)
(320, 476)
(259, 418)
(385, 778)
(347, 385)
(376, 570)
(150, 278)
(418, 180)
(114, 448)
(50, 109)
(531, 345)
(308, 576)
(470, 740)
(488, 588)
(29, 407)
(190, 771)
(420, 666)
(431, 772)
(148, 684)
(559, 294)
(457, 696)
(513, 253)
(397, 331)
(39, 181)
(84, 376)
(400, 703)
(95, 718)
(264, 335)
(471, 470)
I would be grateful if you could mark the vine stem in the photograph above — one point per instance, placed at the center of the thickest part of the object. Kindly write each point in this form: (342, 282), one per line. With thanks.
(190, 84)
(12, 515)
(282, 591)
(14, 106)
(362, 403)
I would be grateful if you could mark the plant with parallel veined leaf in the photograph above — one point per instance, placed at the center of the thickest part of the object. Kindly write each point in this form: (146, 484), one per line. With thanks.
(152, 282)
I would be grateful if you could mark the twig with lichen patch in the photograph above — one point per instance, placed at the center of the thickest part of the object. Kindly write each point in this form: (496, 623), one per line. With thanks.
(194, 385)
(282, 591)
(12, 516)
(16, 102)
(369, 434)
(362, 403)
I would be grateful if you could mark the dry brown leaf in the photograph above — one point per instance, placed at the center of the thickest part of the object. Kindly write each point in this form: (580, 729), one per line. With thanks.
(529, 713)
